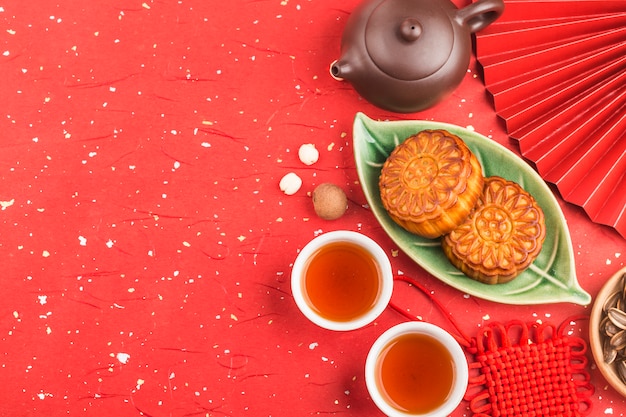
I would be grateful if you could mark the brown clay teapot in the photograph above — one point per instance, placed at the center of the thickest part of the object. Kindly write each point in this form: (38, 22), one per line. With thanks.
(406, 55)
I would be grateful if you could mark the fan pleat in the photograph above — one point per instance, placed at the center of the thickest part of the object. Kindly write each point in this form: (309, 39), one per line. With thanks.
(530, 35)
(592, 157)
(562, 103)
(557, 144)
(510, 91)
(527, 10)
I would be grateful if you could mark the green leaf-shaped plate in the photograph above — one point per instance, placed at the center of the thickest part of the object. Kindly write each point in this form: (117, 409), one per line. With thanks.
(550, 279)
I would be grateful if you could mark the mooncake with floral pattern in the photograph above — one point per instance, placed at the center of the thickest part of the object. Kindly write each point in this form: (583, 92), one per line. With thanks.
(430, 183)
(501, 237)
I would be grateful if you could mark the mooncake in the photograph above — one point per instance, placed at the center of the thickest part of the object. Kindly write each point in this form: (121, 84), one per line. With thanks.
(501, 237)
(430, 183)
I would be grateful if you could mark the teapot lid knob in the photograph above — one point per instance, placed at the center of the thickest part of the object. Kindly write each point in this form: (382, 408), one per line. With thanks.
(410, 29)
(409, 40)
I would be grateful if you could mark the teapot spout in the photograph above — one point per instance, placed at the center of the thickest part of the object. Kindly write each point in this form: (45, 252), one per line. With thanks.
(340, 70)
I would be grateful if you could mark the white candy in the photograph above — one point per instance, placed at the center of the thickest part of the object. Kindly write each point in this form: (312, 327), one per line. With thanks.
(308, 154)
(290, 183)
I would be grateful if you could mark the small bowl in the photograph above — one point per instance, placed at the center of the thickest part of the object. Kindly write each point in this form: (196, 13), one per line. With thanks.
(595, 337)
(377, 254)
(459, 364)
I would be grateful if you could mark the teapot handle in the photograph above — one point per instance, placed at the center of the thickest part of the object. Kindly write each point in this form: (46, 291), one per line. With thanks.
(480, 14)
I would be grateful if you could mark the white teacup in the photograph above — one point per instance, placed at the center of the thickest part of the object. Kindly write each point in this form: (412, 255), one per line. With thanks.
(440, 379)
(329, 275)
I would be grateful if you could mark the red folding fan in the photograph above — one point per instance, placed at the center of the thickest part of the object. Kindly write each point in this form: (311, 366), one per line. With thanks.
(556, 70)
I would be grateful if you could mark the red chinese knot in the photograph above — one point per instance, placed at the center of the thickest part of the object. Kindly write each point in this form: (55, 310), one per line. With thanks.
(528, 370)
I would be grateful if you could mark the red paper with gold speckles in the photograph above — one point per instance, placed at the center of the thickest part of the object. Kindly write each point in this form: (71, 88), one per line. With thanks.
(145, 244)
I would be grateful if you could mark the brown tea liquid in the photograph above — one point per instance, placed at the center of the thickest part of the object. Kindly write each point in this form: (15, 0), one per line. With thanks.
(415, 373)
(342, 281)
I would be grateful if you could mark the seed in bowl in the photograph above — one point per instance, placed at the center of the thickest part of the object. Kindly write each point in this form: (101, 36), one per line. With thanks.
(613, 329)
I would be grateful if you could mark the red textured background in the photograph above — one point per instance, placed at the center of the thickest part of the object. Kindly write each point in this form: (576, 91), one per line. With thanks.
(145, 245)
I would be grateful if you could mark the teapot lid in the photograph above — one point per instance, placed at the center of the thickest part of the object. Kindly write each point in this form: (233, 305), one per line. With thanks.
(409, 40)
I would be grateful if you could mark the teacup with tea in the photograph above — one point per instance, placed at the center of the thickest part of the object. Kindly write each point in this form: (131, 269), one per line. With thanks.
(416, 369)
(342, 280)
